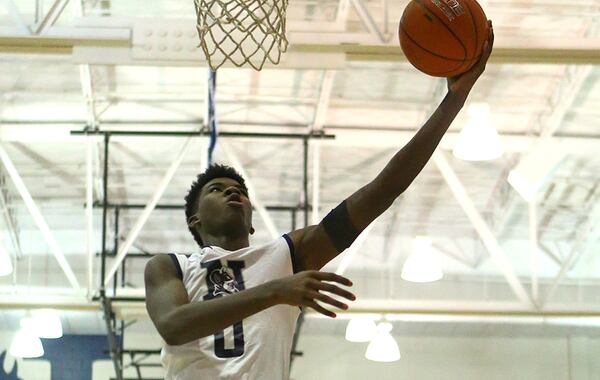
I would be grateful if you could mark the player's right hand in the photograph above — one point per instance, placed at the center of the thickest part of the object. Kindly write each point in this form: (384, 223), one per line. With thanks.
(463, 83)
(305, 288)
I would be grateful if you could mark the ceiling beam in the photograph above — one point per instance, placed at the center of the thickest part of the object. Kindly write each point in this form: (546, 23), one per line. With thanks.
(9, 217)
(497, 255)
(324, 99)
(118, 45)
(50, 18)
(444, 310)
(17, 17)
(586, 236)
(367, 20)
(139, 224)
(39, 219)
(351, 136)
(256, 202)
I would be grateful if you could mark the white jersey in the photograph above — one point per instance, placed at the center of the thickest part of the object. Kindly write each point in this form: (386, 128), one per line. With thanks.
(256, 348)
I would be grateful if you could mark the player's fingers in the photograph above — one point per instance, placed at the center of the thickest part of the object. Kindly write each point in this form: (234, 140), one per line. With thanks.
(320, 309)
(335, 290)
(485, 55)
(329, 300)
(328, 276)
(489, 43)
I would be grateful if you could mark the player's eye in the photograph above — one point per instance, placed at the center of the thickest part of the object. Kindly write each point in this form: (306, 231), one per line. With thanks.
(212, 189)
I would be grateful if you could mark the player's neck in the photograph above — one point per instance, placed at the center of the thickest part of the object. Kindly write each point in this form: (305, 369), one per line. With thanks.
(227, 242)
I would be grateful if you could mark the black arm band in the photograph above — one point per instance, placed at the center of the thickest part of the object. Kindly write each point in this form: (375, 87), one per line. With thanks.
(339, 228)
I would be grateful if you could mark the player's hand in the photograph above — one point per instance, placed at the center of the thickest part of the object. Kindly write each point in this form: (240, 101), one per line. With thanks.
(305, 288)
(462, 84)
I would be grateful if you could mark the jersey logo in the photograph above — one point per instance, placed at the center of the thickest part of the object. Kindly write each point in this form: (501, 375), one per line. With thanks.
(223, 281)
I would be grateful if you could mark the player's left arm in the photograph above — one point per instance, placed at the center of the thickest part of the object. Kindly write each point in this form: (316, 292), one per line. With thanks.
(313, 246)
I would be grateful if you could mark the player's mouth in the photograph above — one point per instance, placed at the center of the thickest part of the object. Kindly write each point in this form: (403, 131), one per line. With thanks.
(235, 200)
(235, 203)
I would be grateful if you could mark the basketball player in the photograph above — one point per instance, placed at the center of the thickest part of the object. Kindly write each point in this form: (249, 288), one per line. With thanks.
(229, 311)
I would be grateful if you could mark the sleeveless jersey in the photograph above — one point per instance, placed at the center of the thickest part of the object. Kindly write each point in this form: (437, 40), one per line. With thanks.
(256, 348)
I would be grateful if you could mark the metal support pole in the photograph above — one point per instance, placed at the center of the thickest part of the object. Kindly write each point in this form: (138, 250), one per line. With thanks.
(89, 213)
(115, 249)
(300, 321)
(316, 181)
(305, 180)
(112, 344)
(53, 14)
(384, 16)
(534, 249)
(116, 231)
(104, 211)
(38, 10)
(323, 102)
(211, 116)
(121, 343)
(123, 206)
(299, 136)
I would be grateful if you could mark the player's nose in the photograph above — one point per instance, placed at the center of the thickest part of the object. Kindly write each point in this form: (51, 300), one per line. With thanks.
(231, 190)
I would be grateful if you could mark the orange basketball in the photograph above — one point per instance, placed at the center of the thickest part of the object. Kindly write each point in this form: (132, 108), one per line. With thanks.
(443, 38)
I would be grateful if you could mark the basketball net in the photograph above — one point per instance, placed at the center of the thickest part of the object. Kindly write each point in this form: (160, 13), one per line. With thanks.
(241, 31)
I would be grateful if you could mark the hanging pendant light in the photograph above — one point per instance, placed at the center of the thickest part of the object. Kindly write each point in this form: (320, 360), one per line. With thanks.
(44, 323)
(361, 329)
(26, 345)
(478, 140)
(422, 265)
(383, 347)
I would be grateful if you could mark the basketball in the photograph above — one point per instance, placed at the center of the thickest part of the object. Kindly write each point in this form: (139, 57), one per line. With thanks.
(443, 38)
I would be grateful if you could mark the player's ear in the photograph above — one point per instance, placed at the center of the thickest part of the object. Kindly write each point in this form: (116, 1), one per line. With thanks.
(251, 230)
(193, 220)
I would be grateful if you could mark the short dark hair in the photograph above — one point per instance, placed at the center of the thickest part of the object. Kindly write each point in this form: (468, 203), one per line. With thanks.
(191, 199)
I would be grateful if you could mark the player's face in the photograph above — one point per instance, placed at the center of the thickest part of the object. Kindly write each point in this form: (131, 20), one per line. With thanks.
(224, 207)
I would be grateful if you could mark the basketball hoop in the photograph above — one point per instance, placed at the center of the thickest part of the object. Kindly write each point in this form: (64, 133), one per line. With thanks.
(241, 31)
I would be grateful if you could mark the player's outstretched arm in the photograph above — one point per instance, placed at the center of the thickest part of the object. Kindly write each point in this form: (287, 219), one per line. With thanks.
(314, 246)
(178, 321)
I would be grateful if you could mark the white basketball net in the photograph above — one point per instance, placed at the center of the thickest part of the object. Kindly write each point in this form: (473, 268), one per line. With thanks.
(241, 31)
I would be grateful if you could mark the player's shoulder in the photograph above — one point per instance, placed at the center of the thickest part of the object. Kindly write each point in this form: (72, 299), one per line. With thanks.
(278, 243)
(160, 267)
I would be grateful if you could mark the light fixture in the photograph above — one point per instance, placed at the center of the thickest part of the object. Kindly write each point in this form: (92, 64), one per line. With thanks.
(44, 323)
(536, 168)
(422, 265)
(478, 140)
(26, 345)
(383, 347)
(361, 329)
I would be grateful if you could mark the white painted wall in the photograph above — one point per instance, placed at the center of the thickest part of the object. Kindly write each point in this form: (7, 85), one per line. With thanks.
(452, 358)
